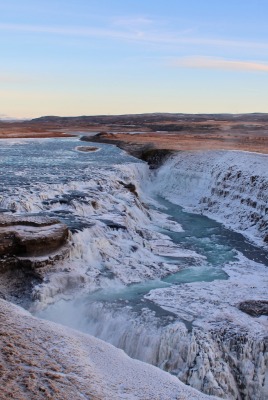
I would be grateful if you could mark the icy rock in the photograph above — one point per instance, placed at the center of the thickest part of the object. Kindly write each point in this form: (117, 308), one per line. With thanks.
(23, 238)
(256, 308)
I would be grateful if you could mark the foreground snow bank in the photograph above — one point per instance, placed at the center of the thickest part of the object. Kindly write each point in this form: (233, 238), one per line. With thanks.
(229, 186)
(43, 360)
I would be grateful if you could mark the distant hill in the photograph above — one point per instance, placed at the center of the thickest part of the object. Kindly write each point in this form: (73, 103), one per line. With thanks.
(148, 118)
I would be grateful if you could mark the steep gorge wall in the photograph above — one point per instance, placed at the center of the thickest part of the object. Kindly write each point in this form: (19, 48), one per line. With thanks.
(231, 187)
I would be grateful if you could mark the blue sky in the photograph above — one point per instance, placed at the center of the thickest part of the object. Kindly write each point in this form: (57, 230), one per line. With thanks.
(124, 56)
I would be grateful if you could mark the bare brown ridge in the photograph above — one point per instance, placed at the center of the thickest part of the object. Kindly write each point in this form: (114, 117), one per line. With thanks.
(247, 132)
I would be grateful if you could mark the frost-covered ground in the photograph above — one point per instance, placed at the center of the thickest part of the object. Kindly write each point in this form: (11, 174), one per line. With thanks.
(41, 360)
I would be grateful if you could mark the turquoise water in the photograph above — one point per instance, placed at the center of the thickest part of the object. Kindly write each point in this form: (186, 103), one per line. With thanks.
(209, 238)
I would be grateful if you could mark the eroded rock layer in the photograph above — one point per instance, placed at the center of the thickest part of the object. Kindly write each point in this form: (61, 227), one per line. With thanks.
(25, 238)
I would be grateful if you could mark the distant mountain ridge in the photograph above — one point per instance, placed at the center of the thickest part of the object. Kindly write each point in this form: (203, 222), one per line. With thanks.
(151, 117)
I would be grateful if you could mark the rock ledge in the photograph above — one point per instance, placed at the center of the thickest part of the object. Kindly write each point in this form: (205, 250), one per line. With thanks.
(26, 237)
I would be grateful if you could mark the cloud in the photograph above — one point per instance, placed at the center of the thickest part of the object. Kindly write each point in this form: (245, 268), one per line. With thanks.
(132, 21)
(217, 63)
(69, 31)
(132, 32)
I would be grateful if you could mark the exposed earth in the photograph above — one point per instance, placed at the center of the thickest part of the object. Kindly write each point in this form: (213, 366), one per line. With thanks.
(248, 132)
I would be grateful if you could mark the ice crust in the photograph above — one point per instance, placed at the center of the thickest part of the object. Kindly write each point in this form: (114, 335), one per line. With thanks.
(222, 335)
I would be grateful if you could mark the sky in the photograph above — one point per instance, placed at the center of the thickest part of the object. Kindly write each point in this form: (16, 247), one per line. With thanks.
(91, 57)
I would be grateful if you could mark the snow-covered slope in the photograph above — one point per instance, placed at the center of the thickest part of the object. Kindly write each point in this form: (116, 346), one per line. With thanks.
(229, 186)
(41, 360)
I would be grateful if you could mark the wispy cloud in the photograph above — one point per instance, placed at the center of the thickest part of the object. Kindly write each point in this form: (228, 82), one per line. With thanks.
(129, 33)
(135, 22)
(68, 31)
(217, 63)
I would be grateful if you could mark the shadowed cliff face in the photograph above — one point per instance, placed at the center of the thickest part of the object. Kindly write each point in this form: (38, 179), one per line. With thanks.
(30, 236)
(145, 152)
(29, 245)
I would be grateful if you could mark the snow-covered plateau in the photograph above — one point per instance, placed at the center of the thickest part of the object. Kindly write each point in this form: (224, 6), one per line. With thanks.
(147, 270)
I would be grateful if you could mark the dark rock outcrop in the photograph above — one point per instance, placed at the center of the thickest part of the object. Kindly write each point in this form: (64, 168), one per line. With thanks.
(255, 308)
(144, 151)
(130, 186)
(23, 238)
(87, 149)
(112, 224)
(155, 157)
(105, 134)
